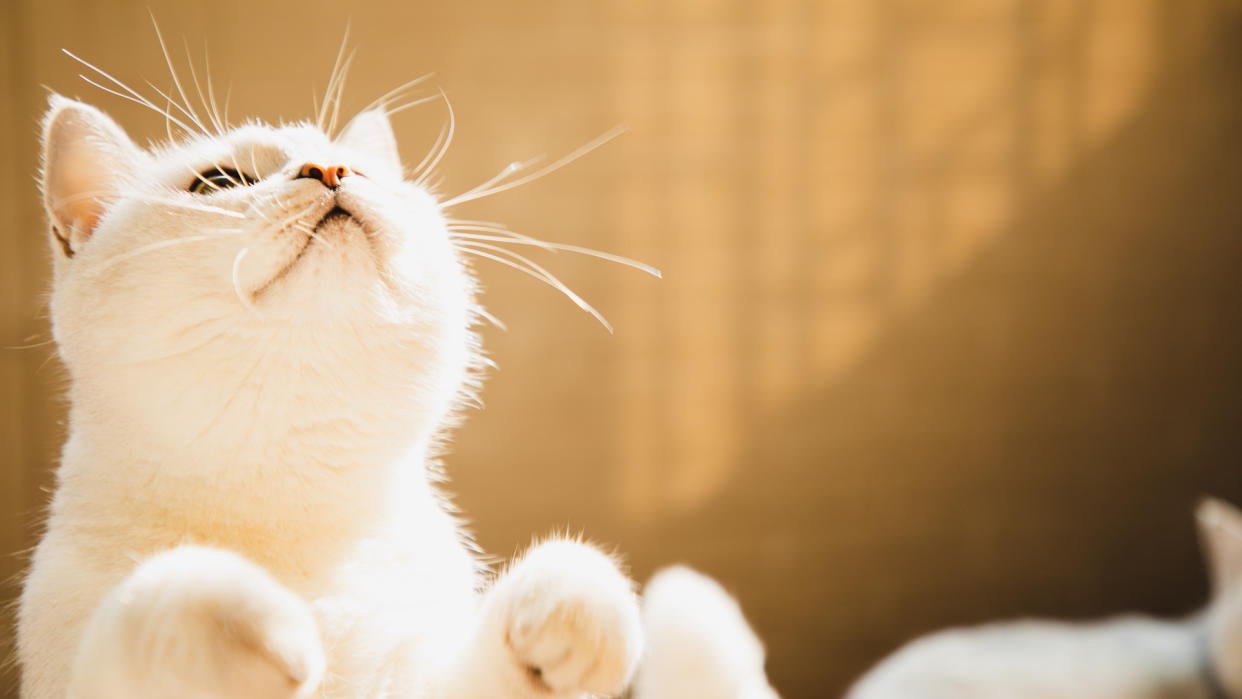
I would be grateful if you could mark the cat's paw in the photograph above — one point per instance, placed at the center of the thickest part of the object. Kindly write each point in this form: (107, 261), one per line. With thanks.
(197, 623)
(571, 619)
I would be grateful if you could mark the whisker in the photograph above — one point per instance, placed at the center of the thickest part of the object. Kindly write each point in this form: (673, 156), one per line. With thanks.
(383, 100)
(237, 283)
(202, 99)
(254, 166)
(328, 91)
(139, 99)
(189, 108)
(305, 228)
(564, 247)
(148, 197)
(228, 98)
(187, 112)
(207, 208)
(486, 315)
(412, 103)
(199, 176)
(448, 140)
(133, 95)
(506, 171)
(434, 147)
(498, 234)
(478, 193)
(130, 254)
(211, 93)
(517, 262)
(340, 93)
(35, 345)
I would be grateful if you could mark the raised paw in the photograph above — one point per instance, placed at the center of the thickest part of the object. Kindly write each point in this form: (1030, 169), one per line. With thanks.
(571, 619)
(199, 623)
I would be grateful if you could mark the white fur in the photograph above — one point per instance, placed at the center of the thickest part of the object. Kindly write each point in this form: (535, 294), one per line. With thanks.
(698, 642)
(253, 417)
(1129, 657)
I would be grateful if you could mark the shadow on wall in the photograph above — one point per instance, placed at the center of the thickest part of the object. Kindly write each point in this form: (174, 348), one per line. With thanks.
(1034, 439)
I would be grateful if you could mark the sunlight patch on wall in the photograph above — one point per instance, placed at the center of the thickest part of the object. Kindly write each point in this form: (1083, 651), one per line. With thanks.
(885, 147)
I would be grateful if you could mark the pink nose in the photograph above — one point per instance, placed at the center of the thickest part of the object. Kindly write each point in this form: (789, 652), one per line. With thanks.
(330, 175)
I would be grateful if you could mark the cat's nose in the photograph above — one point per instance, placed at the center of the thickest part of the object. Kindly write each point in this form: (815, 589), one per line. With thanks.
(330, 175)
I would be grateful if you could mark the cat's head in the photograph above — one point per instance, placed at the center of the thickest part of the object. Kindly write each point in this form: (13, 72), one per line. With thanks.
(1220, 529)
(262, 273)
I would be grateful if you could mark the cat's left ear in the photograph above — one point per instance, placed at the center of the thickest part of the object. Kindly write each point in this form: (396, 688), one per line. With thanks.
(371, 133)
(87, 159)
(1220, 529)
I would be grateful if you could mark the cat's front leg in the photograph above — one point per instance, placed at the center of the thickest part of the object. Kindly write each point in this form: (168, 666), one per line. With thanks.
(563, 621)
(198, 623)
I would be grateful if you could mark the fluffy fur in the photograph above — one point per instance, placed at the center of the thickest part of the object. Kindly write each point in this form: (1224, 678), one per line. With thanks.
(246, 505)
(1130, 657)
(698, 642)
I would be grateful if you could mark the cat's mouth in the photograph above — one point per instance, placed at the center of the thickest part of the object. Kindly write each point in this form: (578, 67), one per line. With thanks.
(335, 214)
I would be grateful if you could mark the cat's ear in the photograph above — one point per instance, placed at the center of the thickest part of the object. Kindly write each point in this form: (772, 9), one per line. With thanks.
(1220, 530)
(86, 160)
(371, 133)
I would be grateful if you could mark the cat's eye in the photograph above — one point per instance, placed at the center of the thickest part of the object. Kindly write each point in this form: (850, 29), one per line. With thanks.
(215, 179)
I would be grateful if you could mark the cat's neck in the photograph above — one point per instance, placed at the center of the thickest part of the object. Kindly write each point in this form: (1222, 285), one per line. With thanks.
(292, 499)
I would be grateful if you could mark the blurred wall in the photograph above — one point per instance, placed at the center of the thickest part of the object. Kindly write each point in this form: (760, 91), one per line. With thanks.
(949, 328)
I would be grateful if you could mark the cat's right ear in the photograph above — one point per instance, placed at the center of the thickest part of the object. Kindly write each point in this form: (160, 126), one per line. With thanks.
(1220, 530)
(86, 160)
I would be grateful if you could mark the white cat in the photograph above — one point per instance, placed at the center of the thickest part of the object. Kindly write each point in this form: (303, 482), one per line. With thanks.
(1130, 657)
(266, 331)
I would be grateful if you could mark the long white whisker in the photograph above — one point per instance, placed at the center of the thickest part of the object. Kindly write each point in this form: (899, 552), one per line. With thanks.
(506, 171)
(498, 234)
(222, 119)
(192, 113)
(137, 99)
(207, 208)
(563, 247)
(149, 197)
(35, 345)
(477, 193)
(340, 93)
(228, 97)
(199, 176)
(254, 166)
(305, 228)
(411, 104)
(486, 315)
(332, 78)
(202, 98)
(202, 129)
(517, 262)
(434, 148)
(130, 254)
(237, 282)
(448, 140)
(384, 99)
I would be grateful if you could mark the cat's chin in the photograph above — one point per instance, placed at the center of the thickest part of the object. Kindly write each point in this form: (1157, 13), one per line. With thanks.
(330, 247)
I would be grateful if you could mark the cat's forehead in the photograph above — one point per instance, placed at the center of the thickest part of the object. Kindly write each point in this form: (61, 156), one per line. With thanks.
(270, 140)
(255, 145)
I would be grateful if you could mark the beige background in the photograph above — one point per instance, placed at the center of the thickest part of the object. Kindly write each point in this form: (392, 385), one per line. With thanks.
(949, 328)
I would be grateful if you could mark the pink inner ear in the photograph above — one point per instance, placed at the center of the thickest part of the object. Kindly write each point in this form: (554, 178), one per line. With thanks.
(85, 155)
(76, 196)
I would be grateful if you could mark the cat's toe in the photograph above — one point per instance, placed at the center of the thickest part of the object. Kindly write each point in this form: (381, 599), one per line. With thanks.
(572, 619)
